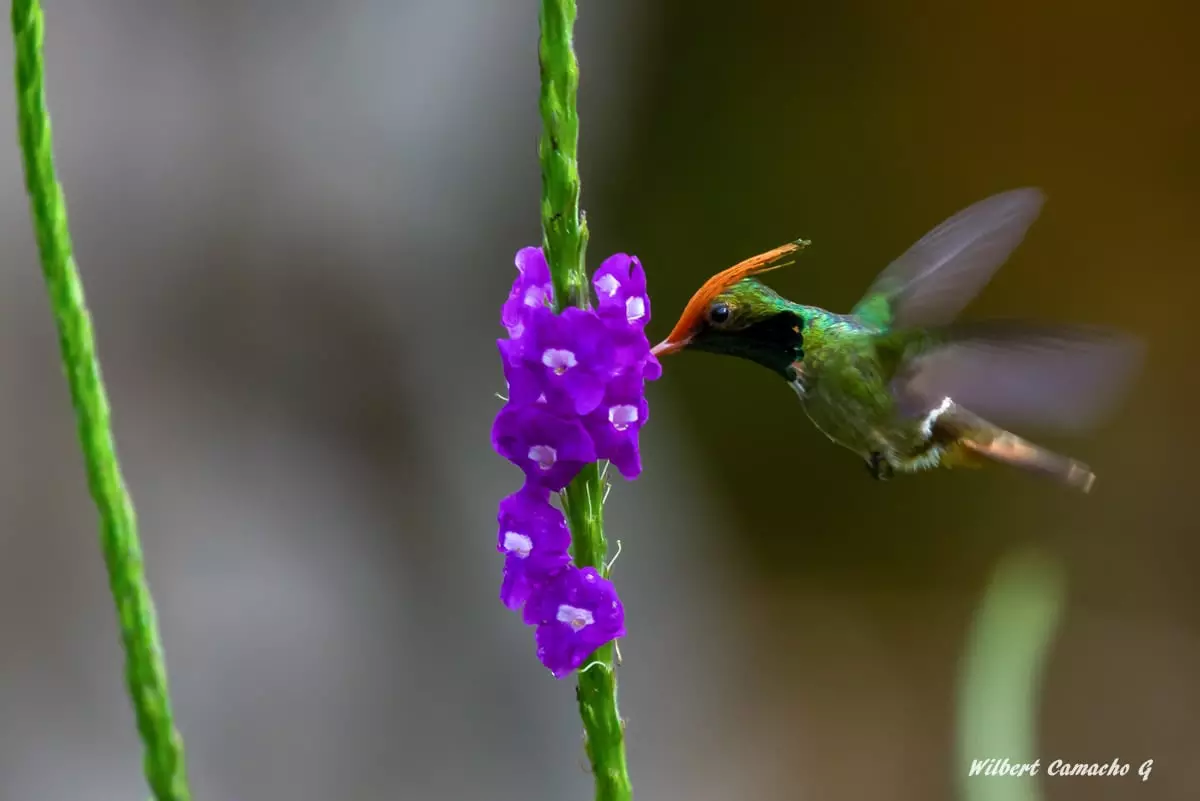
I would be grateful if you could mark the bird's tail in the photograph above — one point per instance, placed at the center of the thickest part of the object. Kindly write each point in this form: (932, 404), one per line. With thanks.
(974, 436)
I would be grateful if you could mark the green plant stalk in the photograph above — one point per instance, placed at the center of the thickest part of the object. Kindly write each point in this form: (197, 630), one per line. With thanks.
(564, 233)
(145, 671)
(564, 228)
(1001, 674)
(597, 689)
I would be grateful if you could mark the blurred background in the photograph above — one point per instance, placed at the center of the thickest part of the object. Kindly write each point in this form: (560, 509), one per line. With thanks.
(296, 222)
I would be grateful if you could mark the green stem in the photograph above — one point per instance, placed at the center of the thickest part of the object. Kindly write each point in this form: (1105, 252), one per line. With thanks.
(564, 232)
(564, 229)
(1002, 672)
(145, 672)
(597, 692)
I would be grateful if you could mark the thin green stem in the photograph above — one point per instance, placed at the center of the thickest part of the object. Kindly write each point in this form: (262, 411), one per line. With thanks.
(564, 232)
(1002, 673)
(597, 692)
(145, 671)
(564, 228)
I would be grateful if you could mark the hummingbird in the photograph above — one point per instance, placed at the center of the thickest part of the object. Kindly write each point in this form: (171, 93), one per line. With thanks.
(899, 381)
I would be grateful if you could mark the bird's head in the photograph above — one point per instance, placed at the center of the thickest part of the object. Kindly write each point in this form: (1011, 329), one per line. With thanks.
(736, 315)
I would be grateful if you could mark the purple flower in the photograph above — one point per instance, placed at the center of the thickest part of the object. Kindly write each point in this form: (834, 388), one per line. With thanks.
(525, 384)
(576, 612)
(652, 369)
(615, 424)
(620, 284)
(631, 350)
(575, 352)
(549, 449)
(564, 360)
(534, 538)
(532, 289)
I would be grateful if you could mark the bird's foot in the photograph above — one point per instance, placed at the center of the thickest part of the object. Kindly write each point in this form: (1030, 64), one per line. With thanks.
(879, 467)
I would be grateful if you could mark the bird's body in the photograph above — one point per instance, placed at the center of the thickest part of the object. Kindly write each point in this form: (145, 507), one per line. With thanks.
(896, 381)
(842, 373)
(842, 381)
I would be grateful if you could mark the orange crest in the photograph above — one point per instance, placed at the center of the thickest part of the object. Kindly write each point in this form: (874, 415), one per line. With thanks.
(694, 312)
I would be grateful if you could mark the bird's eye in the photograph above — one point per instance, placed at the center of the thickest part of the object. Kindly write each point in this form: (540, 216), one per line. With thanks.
(718, 313)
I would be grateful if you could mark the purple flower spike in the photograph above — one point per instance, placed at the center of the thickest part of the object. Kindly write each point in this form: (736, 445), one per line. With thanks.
(575, 352)
(534, 538)
(576, 393)
(615, 424)
(549, 449)
(620, 285)
(576, 612)
(532, 289)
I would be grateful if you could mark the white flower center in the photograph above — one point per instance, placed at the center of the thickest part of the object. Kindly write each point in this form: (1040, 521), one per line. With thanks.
(575, 617)
(622, 417)
(608, 284)
(541, 398)
(543, 456)
(517, 544)
(535, 296)
(635, 309)
(515, 331)
(558, 360)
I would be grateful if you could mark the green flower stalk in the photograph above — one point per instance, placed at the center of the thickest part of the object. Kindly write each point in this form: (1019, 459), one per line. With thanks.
(564, 228)
(565, 234)
(597, 690)
(145, 671)
(1002, 672)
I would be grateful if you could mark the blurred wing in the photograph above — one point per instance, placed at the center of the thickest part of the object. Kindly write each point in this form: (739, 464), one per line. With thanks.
(939, 275)
(1065, 378)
